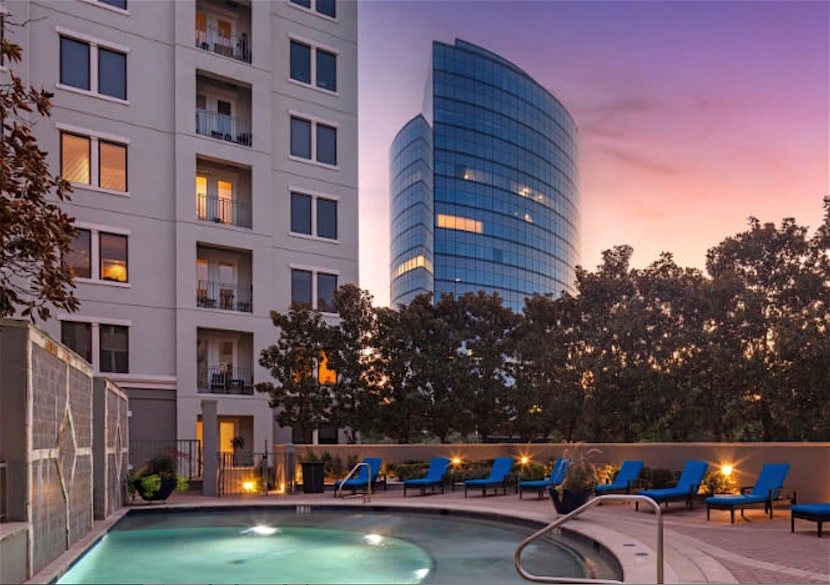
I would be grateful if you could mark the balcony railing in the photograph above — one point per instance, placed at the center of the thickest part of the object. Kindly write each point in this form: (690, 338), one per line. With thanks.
(224, 295)
(223, 210)
(225, 380)
(236, 46)
(223, 127)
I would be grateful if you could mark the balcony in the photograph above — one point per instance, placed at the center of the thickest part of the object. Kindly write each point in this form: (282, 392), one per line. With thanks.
(225, 296)
(224, 379)
(224, 28)
(222, 210)
(223, 127)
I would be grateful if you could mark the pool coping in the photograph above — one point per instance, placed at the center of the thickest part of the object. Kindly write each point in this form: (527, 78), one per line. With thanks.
(635, 557)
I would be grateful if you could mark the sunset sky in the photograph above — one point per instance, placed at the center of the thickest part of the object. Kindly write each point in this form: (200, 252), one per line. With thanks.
(692, 116)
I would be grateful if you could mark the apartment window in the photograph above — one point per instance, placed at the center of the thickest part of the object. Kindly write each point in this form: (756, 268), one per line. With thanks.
(301, 288)
(326, 7)
(113, 256)
(301, 137)
(104, 345)
(122, 4)
(326, 70)
(322, 68)
(114, 354)
(85, 157)
(77, 336)
(313, 215)
(326, 144)
(326, 285)
(98, 255)
(79, 259)
(300, 62)
(86, 65)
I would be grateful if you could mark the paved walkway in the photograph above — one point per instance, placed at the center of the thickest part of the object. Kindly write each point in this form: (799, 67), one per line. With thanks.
(753, 550)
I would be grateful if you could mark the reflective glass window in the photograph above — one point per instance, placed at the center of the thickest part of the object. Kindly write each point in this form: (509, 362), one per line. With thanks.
(300, 213)
(112, 73)
(327, 218)
(74, 63)
(301, 287)
(326, 285)
(326, 70)
(112, 159)
(326, 144)
(114, 349)
(300, 137)
(79, 259)
(78, 337)
(326, 7)
(113, 252)
(300, 62)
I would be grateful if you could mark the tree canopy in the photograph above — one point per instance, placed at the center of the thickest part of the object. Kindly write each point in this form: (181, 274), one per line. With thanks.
(663, 353)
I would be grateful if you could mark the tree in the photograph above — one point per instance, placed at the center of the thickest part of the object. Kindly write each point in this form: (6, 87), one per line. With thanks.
(298, 398)
(34, 233)
(347, 353)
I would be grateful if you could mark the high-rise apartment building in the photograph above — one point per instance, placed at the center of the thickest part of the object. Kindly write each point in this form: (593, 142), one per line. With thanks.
(484, 184)
(212, 150)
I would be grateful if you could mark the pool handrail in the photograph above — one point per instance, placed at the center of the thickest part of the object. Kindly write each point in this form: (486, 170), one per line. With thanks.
(579, 511)
(367, 497)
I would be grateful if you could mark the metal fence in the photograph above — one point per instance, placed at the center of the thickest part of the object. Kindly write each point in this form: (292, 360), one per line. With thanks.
(4, 499)
(243, 472)
(186, 452)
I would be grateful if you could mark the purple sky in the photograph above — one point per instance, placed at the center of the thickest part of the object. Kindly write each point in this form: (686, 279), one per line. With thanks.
(692, 116)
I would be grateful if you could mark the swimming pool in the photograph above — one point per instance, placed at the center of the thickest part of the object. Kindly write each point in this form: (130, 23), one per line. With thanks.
(303, 544)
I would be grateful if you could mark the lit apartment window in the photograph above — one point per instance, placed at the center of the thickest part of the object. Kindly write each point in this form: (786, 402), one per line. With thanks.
(309, 285)
(326, 7)
(322, 68)
(98, 255)
(91, 67)
(313, 140)
(313, 215)
(85, 159)
(110, 340)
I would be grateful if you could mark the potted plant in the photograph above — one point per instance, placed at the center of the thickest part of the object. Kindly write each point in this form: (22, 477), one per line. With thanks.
(580, 480)
(156, 480)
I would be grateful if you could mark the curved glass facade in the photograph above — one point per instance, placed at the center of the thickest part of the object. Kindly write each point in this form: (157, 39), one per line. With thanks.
(411, 212)
(504, 196)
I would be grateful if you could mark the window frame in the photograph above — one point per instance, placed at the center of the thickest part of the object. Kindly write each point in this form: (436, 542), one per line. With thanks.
(315, 198)
(314, 122)
(96, 325)
(312, 8)
(95, 254)
(315, 271)
(94, 44)
(95, 139)
(314, 49)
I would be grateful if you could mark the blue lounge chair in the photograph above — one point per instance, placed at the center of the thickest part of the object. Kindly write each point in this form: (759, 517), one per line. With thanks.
(686, 487)
(766, 489)
(624, 480)
(814, 512)
(557, 476)
(498, 476)
(361, 479)
(434, 477)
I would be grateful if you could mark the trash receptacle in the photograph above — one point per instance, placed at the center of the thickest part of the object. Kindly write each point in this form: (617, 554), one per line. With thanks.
(312, 477)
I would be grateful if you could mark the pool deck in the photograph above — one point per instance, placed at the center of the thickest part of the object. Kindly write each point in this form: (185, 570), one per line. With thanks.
(753, 550)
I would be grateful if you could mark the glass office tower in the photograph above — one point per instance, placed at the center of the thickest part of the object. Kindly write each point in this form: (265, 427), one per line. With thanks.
(484, 185)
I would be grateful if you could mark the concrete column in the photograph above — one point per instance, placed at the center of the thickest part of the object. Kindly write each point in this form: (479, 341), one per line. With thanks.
(210, 448)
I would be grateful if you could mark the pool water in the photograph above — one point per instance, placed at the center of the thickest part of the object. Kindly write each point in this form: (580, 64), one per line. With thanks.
(318, 545)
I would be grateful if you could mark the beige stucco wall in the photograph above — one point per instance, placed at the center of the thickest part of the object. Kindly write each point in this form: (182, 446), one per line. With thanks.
(809, 462)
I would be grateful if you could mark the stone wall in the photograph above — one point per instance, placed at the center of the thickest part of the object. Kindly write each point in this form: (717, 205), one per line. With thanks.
(48, 428)
(809, 472)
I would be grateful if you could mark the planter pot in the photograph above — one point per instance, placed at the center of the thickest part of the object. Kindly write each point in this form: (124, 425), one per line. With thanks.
(313, 477)
(570, 499)
(168, 486)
